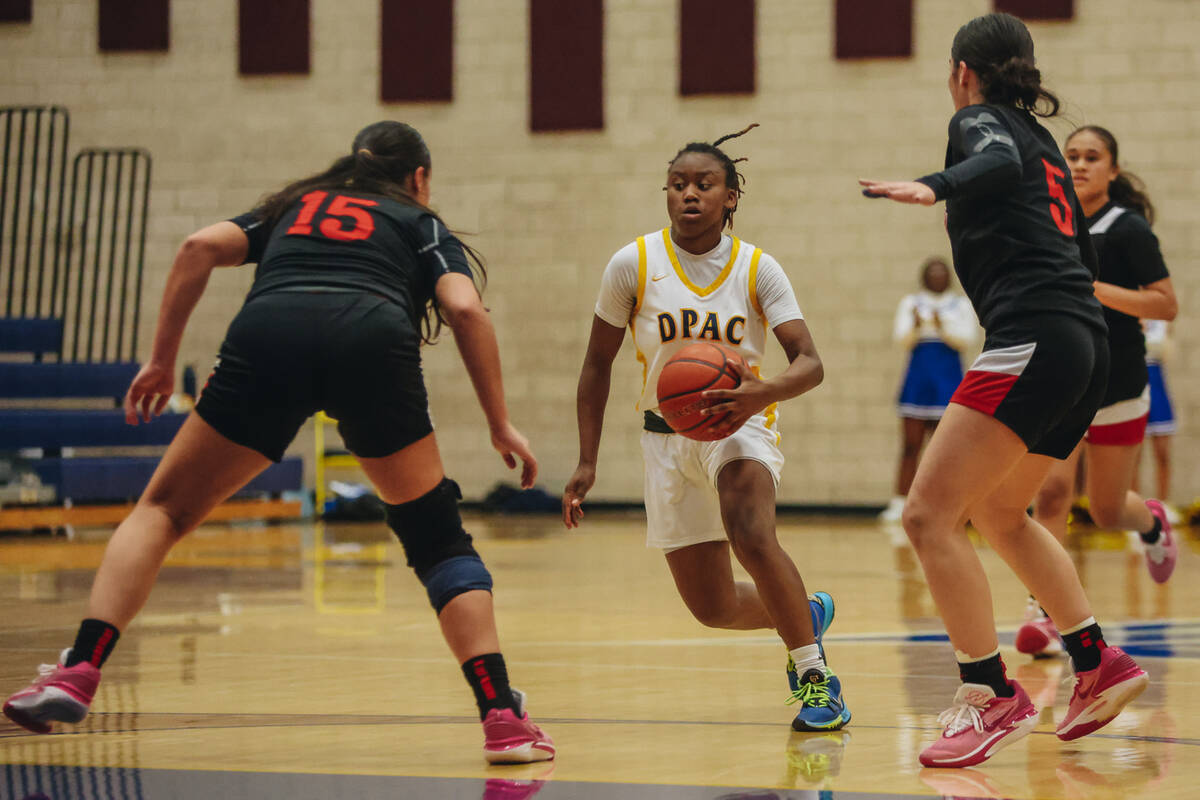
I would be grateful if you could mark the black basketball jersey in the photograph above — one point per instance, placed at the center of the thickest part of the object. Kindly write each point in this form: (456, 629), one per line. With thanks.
(1017, 233)
(356, 241)
(1129, 258)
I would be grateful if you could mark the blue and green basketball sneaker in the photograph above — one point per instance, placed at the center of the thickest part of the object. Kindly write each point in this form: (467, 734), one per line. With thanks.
(819, 693)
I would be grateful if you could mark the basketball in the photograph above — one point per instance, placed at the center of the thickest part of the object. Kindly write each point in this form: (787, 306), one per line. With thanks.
(694, 369)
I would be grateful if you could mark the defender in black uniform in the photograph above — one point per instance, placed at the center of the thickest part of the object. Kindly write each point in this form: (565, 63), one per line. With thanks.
(1027, 264)
(1133, 284)
(354, 272)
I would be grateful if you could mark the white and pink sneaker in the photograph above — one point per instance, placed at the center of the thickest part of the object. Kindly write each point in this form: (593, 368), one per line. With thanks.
(59, 694)
(1101, 693)
(510, 738)
(978, 724)
(1162, 555)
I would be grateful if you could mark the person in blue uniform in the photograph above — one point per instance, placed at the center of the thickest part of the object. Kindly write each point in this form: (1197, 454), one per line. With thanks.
(934, 326)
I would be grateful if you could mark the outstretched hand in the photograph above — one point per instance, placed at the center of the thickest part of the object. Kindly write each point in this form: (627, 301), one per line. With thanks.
(511, 444)
(749, 398)
(900, 191)
(148, 394)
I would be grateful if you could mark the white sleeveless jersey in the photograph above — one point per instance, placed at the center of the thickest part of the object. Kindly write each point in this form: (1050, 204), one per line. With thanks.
(672, 312)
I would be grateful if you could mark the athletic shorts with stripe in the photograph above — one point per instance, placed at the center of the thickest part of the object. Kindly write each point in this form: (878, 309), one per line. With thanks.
(289, 354)
(1043, 377)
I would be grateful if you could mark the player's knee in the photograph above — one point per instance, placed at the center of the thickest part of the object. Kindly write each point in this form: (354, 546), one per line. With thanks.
(438, 549)
(1105, 513)
(1054, 498)
(752, 546)
(712, 611)
(919, 521)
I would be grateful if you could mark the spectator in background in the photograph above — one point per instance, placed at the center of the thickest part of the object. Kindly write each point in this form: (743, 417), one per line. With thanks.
(935, 325)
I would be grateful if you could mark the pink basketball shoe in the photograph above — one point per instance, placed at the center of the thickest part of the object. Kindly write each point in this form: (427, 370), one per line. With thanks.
(1162, 555)
(1101, 693)
(59, 694)
(1038, 637)
(513, 739)
(978, 724)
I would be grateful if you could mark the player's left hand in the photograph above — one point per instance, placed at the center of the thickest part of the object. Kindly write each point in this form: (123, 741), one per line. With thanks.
(740, 404)
(900, 191)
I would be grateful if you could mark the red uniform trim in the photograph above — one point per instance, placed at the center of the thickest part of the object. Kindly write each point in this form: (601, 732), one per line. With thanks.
(1131, 431)
(983, 391)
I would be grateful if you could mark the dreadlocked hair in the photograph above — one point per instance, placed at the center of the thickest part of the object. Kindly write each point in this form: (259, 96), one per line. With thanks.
(382, 158)
(733, 178)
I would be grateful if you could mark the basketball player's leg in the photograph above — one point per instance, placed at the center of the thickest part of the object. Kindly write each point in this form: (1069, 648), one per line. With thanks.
(1033, 553)
(1161, 444)
(414, 472)
(1111, 502)
(200, 469)
(969, 455)
(422, 510)
(746, 490)
(1053, 499)
(704, 577)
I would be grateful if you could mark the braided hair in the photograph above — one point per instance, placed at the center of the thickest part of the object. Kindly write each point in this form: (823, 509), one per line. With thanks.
(733, 178)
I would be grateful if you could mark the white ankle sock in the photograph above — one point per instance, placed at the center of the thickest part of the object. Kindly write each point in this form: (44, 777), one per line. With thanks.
(807, 657)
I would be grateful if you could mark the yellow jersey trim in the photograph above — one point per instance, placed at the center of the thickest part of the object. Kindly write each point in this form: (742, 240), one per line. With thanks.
(754, 281)
(641, 289)
(716, 284)
(771, 412)
(637, 306)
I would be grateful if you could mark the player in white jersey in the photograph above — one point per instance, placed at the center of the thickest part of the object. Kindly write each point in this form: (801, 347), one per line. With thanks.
(688, 283)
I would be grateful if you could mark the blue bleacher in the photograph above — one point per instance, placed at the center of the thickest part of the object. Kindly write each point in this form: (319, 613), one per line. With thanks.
(52, 430)
(30, 335)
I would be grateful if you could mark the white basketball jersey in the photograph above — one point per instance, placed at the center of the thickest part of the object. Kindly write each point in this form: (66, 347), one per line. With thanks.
(672, 312)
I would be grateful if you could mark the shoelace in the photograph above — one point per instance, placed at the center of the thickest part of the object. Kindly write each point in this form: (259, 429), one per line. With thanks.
(958, 718)
(44, 673)
(811, 694)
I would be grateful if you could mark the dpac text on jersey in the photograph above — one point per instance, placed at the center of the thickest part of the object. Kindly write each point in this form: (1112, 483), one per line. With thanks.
(669, 327)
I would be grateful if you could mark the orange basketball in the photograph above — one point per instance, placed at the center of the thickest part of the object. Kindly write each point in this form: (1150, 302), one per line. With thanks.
(695, 368)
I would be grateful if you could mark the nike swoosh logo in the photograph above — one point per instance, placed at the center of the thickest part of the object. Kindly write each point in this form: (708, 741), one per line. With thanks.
(659, 276)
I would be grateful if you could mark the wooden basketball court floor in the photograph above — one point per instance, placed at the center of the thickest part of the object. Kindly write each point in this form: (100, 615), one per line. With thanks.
(299, 661)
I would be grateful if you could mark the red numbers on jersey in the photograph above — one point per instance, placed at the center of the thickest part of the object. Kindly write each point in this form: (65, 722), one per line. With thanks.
(341, 210)
(1060, 209)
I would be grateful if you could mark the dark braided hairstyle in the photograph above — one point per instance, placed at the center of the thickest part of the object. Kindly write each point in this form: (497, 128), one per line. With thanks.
(382, 157)
(1000, 50)
(733, 178)
(1126, 189)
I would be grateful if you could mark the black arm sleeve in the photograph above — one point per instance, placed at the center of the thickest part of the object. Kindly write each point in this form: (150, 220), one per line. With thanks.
(257, 233)
(992, 162)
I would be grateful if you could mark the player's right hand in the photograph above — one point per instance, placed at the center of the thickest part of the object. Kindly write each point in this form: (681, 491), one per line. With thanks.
(577, 488)
(149, 392)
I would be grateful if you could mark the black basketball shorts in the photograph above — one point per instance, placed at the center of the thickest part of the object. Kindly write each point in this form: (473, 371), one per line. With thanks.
(289, 354)
(1044, 377)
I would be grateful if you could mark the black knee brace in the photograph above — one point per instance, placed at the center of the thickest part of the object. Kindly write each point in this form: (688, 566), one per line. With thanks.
(438, 549)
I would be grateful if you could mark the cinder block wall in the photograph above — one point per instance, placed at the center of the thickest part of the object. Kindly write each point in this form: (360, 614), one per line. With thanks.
(549, 209)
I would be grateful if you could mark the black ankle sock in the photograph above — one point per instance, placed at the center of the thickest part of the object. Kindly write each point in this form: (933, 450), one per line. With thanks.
(989, 672)
(94, 643)
(1151, 536)
(1085, 645)
(489, 680)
